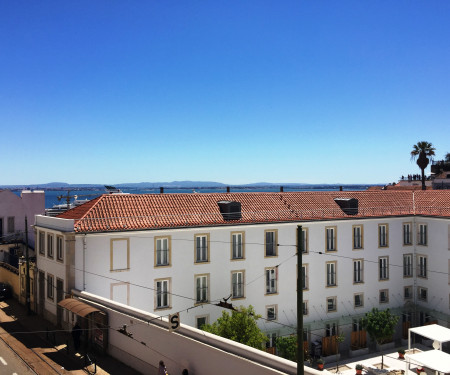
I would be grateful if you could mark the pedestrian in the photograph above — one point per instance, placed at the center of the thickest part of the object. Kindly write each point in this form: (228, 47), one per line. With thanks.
(76, 334)
(162, 369)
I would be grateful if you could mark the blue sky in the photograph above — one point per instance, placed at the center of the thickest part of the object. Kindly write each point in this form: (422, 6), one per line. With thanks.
(236, 92)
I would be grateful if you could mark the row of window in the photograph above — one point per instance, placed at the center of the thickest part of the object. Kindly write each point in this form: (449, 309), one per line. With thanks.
(202, 287)
(50, 246)
(202, 242)
(358, 270)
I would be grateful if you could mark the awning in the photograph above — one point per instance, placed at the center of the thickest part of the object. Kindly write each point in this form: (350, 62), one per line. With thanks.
(433, 359)
(77, 307)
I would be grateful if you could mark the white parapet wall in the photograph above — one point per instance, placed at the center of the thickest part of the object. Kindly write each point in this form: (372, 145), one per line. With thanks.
(200, 352)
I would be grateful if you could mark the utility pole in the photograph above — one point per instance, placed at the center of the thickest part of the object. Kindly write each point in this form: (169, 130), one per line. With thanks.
(27, 272)
(300, 359)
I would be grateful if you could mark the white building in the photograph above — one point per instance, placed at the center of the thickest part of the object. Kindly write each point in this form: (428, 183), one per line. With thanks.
(185, 252)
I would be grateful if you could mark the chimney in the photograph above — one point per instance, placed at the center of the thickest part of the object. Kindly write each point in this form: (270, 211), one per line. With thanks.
(228, 189)
(281, 189)
(161, 190)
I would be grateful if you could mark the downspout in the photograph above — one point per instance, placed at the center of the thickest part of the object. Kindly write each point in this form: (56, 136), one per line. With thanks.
(84, 262)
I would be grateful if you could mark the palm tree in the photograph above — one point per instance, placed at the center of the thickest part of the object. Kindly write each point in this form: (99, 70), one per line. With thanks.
(424, 150)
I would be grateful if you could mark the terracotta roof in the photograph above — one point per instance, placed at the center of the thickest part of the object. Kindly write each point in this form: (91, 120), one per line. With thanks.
(118, 212)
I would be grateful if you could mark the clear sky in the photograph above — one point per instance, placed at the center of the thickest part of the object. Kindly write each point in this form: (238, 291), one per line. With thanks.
(316, 91)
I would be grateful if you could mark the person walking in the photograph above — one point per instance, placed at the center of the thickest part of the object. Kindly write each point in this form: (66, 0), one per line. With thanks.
(162, 369)
(76, 334)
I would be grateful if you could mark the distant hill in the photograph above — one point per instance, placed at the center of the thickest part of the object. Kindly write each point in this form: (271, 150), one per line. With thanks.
(179, 185)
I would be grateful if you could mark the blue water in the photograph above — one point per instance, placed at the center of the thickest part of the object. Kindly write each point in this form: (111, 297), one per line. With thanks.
(51, 196)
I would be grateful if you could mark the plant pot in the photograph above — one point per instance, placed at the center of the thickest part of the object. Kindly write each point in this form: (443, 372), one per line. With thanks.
(401, 356)
(358, 372)
(320, 366)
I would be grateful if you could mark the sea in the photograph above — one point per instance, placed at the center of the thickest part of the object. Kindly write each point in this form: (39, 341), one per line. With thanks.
(55, 197)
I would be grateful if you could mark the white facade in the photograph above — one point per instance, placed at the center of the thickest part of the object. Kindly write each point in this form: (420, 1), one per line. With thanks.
(122, 266)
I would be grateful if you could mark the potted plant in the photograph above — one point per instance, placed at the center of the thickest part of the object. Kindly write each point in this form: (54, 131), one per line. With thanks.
(401, 353)
(359, 368)
(320, 363)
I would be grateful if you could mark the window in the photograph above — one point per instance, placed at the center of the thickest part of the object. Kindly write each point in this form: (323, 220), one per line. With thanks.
(357, 237)
(304, 276)
(50, 245)
(422, 294)
(237, 245)
(201, 288)
(331, 304)
(59, 248)
(237, 287)
(330, 233)
(422, 235)
(271, 280)
(42, 243)
(384, 296)
(201, 321)
(271, 312)
(50, 286)
(201, 248)
(407, 292)
(383, 234)
(407, 234)
(305, 240)
(407, 265)
(358, 300)
(271, 340)
(162, 251)
(330, 329)
(383, 272)
(270, 243)
(422, 266)
(11, 228)
(305, 308)
(162, 293)
(358, 271)
(120, 254)
(331, 273)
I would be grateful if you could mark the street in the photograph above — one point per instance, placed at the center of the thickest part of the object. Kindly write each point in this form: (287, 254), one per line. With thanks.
(10, 363)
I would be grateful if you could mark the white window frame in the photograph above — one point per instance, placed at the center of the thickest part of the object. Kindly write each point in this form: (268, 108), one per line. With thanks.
(331, 272)
(41, 242)
(162, 251)
(358, 271)
(383, 268)
(60, 248)
(271, 243)
(407, 265)
(163, 300)
(407, 234)
(422, 294)
(238, 284)
(385, 293)
(360, 297)
(202, 288)
(305, 240)
(358, 239)
(272, 312)
(422, 266)
(271, 280)
(50, 286)
(331, 239)
(331, 304)
(50, 252)
(201, 243)
(237, 245)
(383, 235)
(422, 235)
(305, 280)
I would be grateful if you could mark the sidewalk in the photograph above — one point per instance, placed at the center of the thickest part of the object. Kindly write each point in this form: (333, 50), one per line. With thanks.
(44, 348)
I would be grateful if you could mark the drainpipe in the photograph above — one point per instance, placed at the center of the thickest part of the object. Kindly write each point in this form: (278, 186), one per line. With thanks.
(84, 262)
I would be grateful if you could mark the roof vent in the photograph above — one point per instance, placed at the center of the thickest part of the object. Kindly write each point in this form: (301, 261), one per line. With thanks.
(230, 210)
(348, 205)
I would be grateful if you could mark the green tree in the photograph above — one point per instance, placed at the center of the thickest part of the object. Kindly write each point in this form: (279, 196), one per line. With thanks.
(425, 152)
(380, 325)
(240, 326)
(287, 347)
(447, 157)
